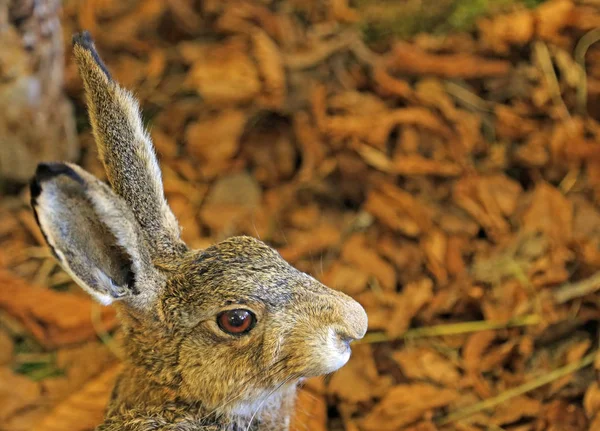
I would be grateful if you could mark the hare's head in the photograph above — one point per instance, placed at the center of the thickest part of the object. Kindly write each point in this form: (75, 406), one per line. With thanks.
(230, 324)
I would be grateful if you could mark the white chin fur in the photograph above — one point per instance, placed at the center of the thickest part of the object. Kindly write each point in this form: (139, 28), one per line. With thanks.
(335, 353)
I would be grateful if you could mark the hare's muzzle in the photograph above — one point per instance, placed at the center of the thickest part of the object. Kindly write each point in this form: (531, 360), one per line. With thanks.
(347, 322)
(356, 321)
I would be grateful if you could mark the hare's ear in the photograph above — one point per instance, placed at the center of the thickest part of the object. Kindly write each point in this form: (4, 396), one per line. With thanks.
(126, 150)
(94, 235)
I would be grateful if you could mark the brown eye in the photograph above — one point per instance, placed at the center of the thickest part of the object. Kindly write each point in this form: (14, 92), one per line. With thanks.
(236, 321)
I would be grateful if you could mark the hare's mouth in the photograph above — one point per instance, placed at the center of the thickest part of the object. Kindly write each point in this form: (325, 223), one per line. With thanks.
(337, 351)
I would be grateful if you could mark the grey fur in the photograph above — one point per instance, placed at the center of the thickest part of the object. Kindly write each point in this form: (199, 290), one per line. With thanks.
(182, 372)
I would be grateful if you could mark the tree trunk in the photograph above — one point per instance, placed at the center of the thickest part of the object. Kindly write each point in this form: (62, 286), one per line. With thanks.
(36, 119)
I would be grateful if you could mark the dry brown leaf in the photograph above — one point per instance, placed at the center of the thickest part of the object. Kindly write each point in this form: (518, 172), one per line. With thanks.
(80, 364)
(376, 128)
(6, 347)
(404, 404)
(454, 259)
(591, 400)
(341, 11)
(356, 103)
(511, 125)
(224, 74)
(312, 146)
(413, 298)
(245, 16)
(310, 412)
(552, 17)
(435, 246)
(409, 59)
(38, 309)
(302, 244)
(216, 139)
(489, 200)
(561, 415)
(346, 278)
(387, 85)
(475, 348)
(186, 214)
(166, 146)
(516, 409)
(550, 212)
(414, 164)
(396, 217)
(83, 410)
(502, 32)
(357, 252)
(270, 67)
(424, 363)
(17, 392)
(399, 210)
(575, 352)
(407, 257)
(359, 380)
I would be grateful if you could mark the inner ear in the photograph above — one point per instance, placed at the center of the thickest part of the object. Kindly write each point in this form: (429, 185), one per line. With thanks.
(123, 274)
(94, 235)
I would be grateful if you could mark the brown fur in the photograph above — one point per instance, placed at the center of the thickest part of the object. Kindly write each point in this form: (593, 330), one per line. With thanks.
(182, 372)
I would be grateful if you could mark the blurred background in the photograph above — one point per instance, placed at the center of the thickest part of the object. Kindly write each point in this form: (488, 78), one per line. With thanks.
(438, 160)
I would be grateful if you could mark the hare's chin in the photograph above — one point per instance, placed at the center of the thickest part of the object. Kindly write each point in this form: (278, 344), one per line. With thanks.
(265, 400)
(336, 353)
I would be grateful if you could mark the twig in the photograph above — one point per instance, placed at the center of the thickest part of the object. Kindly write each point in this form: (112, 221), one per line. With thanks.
(453, 329)
(321, 52)
(105, 337)
(519, 390)
(545, 62)
(468, 98)
(570, 291)
(581, 49)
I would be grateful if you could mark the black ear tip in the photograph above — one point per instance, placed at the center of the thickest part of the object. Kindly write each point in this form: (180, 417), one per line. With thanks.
(35, 189)
(83, 39)
(47, 171)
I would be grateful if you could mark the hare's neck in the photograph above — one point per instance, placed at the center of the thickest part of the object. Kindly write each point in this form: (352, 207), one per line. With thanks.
(135, 396)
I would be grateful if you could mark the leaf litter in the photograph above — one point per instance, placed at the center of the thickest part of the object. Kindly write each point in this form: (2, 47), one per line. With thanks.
(449, 183)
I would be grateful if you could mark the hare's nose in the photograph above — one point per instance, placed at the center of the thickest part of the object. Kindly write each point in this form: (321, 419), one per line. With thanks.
(355, 322)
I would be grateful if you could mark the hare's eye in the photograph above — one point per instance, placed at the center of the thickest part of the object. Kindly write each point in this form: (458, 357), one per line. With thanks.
(236, 321)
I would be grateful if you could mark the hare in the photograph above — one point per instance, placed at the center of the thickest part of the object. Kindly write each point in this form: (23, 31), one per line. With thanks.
(215, 339)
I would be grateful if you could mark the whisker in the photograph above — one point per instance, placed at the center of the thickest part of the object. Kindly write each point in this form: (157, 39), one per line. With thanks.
(255, 229)
(273, 370)
(322, 270)
(265, 399)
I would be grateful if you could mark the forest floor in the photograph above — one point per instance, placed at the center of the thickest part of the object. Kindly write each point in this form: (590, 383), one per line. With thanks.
(449, 181)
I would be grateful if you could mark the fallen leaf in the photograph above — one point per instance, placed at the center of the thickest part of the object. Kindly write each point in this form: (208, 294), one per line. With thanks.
(270, 67)
(423, 363)
(216, 139)
(516, 409)
(17, 392)
(414, 296)
(404, 404)
(320, 238)
(36, 307)
(359, 380)
(224, 74)
(357, 252)
(550, 212)
(83, 410)
(310, 412)
(489, 200)
(409, 59)
(6, 348)
(346, 278)
(502, 32)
